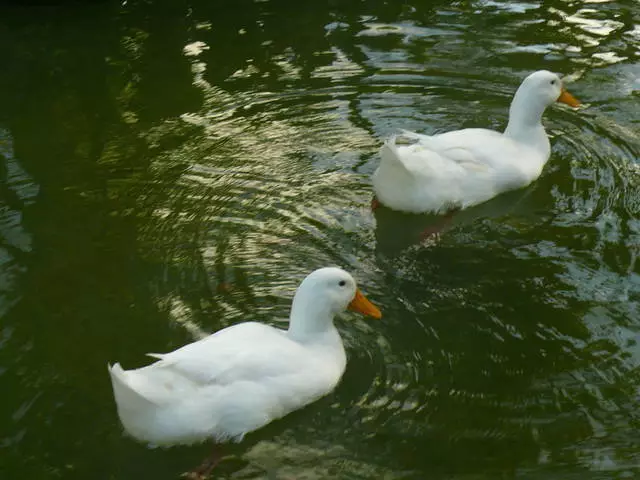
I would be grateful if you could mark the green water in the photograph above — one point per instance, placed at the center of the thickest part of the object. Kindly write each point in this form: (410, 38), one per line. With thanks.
(176, 166)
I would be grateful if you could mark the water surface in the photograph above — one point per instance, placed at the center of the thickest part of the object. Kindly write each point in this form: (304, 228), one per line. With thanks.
(169, 168)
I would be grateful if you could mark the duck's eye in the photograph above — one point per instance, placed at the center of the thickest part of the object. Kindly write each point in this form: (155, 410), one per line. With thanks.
(553, 82)
(342, 283)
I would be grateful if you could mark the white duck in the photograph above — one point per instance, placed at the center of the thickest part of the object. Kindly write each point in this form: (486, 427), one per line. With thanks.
(241, 378)
(458, 169)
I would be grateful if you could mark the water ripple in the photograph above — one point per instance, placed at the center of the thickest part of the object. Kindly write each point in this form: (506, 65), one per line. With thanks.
(510, 343)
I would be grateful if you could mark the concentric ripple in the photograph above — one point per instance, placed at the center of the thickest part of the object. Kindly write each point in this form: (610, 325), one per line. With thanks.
(519, 323)
(233, 155)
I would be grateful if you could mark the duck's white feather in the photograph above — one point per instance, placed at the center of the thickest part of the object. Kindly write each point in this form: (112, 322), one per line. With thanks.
(458, 169)
(452, 170)
(260, 350)
(230, 383)
(242, 377)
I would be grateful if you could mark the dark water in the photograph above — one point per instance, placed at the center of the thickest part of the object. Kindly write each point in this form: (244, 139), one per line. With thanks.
(172, 166)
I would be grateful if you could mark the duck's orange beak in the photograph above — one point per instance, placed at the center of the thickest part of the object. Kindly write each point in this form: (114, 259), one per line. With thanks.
(567, 98)
(364, 306)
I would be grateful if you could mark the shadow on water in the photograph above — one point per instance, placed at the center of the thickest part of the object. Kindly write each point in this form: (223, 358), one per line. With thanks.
(170, 168)
(396, 231)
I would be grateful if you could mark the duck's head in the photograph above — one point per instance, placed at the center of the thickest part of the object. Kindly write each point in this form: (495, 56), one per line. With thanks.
(547, 88)
(323, 294)
(336, 289)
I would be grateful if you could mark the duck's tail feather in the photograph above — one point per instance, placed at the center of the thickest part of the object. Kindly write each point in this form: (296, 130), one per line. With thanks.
(127, 397)
(389, 152)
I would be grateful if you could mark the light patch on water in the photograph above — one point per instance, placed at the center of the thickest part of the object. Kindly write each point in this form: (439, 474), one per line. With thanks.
(635, 33)
(595, 26)
(340, 69)
(246, 72)
(194, 49)
(408, 30)
(335, 26)
(284, 60)
(609, 58)
(540, 48)
(515, 7)
(203, 26)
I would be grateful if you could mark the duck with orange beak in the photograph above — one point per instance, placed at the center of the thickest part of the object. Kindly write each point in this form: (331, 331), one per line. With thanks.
(244, 376)
(458, 169)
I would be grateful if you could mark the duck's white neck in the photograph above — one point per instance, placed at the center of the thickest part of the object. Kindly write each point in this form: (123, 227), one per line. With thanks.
(310, 316)
(525, 120)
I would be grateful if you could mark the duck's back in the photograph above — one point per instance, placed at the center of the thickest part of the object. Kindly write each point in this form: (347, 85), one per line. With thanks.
(453, 169)
(230, 383)
(477, 145)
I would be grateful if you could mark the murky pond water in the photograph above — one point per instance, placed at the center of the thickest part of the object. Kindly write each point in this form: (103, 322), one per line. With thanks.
(170, 167)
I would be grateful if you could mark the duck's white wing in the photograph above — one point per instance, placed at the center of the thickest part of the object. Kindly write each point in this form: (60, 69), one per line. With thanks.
(473, 149)
(420, 173)
(244, 352)
(222, 386)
